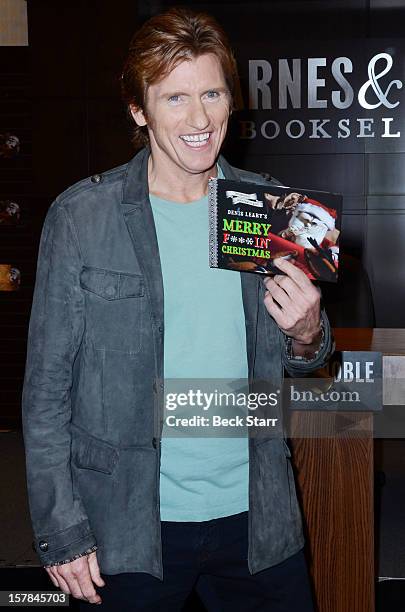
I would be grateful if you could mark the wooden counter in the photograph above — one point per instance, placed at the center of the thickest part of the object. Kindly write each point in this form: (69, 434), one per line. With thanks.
(335, 481)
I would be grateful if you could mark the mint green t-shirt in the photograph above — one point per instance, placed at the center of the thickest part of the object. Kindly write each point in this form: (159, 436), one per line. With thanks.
(200, 478)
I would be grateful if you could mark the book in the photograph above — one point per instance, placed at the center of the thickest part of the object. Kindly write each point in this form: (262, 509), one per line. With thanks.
(250, 225)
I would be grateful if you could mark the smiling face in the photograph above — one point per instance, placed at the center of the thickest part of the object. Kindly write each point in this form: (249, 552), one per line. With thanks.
(187, 116)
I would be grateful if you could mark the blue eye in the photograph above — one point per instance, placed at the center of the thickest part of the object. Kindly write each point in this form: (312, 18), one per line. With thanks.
(212, 94)
(175, 98)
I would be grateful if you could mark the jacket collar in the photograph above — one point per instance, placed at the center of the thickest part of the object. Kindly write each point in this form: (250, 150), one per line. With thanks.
(135, 187)
(229, 172)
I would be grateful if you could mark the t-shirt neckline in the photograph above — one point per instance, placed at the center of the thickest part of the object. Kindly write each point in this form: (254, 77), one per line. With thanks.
(200, 201)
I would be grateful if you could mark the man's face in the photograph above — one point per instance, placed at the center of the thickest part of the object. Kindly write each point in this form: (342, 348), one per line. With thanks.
(187, 115)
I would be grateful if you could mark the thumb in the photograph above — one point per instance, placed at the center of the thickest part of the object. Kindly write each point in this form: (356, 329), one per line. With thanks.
(95, 570)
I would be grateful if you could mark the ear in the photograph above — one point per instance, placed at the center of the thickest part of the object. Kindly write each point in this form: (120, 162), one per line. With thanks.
(138, 115)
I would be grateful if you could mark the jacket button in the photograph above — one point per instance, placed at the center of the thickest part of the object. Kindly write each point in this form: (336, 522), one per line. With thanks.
(96, 178)
(43, 546)
(154, 442)
(160, 328)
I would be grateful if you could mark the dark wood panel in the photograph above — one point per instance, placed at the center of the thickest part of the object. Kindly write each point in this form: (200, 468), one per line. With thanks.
(388, 341)
(335, 480)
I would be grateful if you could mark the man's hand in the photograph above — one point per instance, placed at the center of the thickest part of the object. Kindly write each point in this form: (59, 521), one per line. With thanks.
(76, 578)
(294, 302)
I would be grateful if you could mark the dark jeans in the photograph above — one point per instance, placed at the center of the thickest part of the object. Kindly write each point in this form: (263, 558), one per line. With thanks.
(210, 556)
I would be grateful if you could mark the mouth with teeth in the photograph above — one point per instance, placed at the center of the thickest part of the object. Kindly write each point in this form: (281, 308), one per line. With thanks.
(196, 141)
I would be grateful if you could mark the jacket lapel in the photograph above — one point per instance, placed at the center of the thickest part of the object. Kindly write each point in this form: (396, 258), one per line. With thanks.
(139, 219)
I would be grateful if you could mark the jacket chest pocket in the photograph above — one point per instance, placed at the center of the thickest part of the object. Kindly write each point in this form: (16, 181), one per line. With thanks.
(115, 304)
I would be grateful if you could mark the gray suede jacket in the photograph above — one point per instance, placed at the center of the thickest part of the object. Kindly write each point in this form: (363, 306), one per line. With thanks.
(95, 354)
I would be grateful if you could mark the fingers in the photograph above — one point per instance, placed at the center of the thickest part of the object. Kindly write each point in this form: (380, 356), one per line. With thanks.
(280, 282)
(95, 570)
(60, 581)
(86, 587)
(282, 290)
(53, 580)
(275, 311)
(295, 310)
(75, 579)
(67, 583)
(297, 275)
(309, 291)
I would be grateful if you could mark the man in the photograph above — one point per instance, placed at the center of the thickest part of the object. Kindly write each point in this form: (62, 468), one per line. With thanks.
(119, 305)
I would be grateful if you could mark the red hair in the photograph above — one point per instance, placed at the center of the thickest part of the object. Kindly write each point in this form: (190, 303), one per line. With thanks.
(160, 45)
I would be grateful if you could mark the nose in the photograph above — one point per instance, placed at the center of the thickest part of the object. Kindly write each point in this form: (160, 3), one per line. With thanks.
(198, 117)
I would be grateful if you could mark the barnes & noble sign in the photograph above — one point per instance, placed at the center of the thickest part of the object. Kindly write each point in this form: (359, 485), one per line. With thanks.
(347, 101)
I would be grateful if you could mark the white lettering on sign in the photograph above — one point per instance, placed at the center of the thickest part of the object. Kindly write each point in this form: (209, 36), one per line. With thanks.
(373, 82)
(363, 127)
(356, 371)
(260, 73)
(339, 65)
(291, 83)
(315, 83)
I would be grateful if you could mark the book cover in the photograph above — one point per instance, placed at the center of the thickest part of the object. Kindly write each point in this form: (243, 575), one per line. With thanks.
(250, 225)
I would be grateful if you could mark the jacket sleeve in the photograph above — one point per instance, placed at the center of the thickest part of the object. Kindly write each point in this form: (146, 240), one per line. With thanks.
(298, 366)
(61, 527)
(83, 554)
